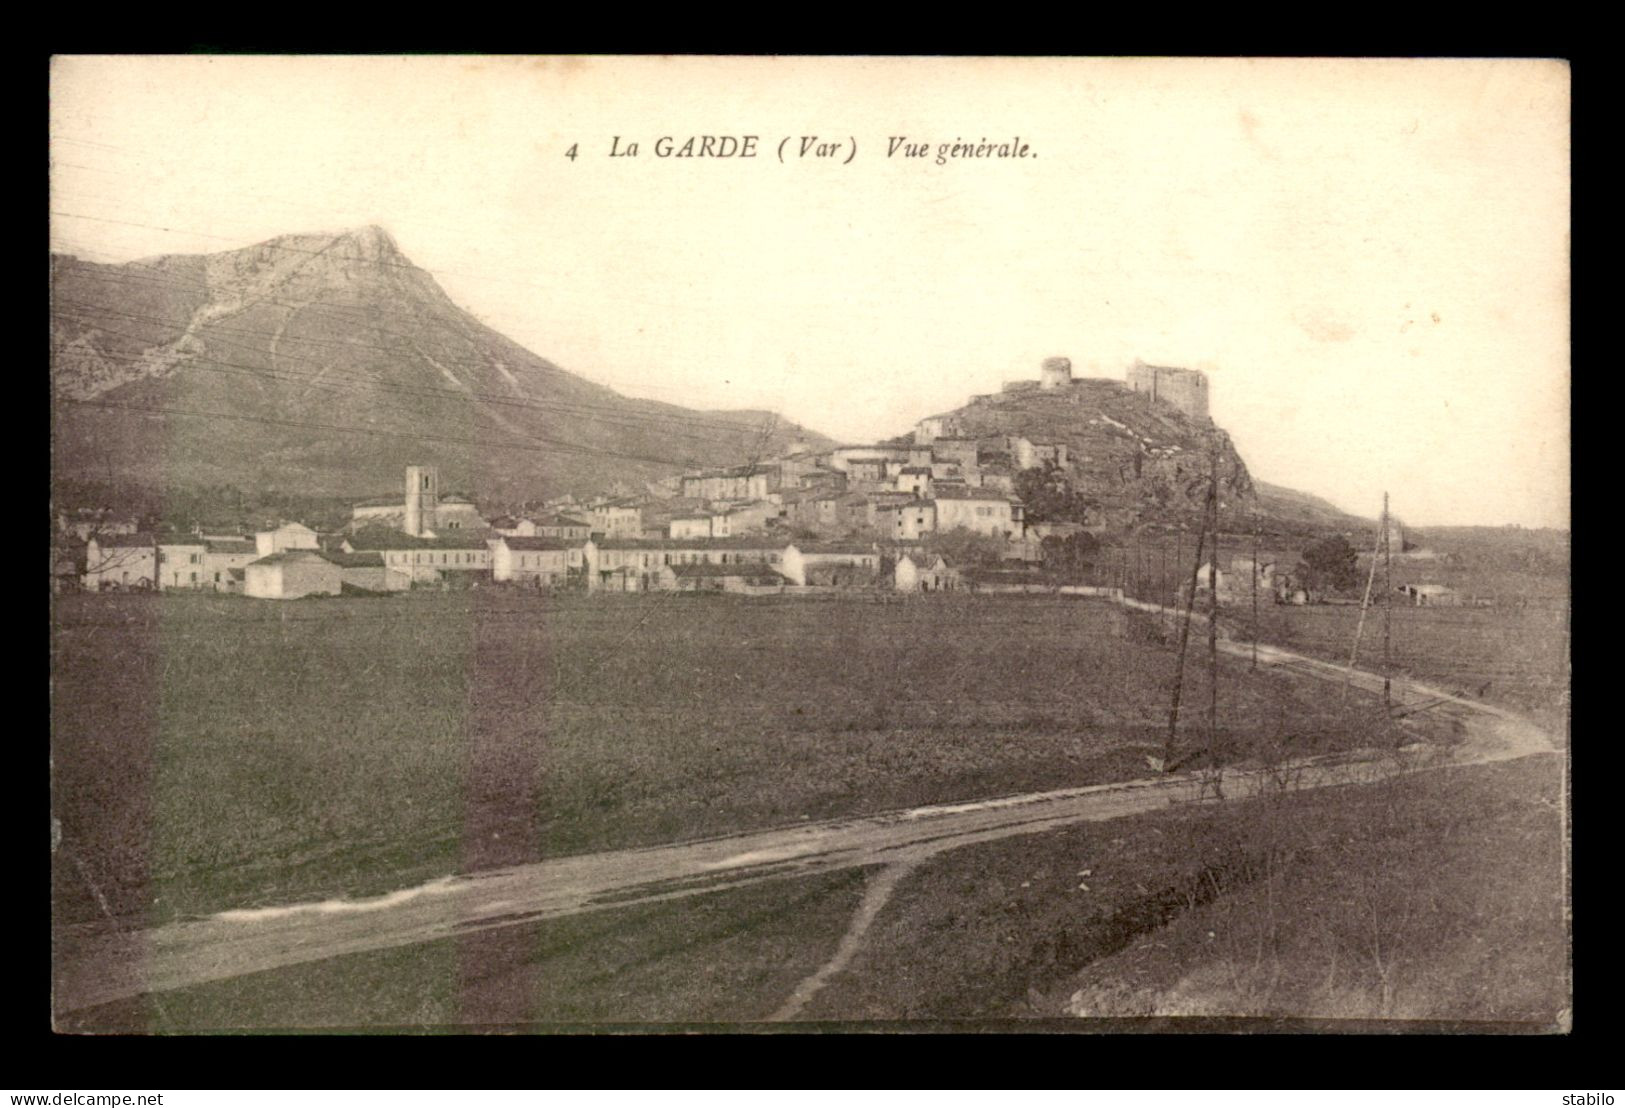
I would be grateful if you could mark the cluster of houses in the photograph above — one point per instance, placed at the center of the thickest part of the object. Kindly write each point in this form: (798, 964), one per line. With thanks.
(850, 516)
(425, 540)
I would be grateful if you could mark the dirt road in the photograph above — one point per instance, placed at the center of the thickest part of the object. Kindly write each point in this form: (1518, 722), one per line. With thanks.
(94, 966)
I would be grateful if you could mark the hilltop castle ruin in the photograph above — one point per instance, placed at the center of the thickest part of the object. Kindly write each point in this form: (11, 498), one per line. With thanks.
(1184, 389)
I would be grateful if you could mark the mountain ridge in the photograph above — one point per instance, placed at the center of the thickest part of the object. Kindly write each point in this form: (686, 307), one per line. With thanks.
(328, 361)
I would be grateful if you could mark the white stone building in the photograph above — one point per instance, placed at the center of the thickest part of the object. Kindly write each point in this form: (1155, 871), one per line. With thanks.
(289, 536)
(125, 561)
(291, 574)
(180, 564)
(980, 511)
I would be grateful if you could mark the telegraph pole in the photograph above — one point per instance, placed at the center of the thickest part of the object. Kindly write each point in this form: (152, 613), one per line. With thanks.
(1184, 638)
(1213, 612)
(1162, 572)
(1387, 606)
(1179, 557)
(1359, 627)
(1255, 588)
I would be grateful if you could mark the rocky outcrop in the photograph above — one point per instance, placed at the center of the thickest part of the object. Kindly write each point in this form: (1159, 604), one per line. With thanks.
(1136, 457)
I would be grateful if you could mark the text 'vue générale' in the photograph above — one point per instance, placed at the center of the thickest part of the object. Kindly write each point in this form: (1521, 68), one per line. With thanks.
(791, 148)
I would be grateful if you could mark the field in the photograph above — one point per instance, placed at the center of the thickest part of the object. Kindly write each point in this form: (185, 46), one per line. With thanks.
(717, 958)
(217, 752)
(1508, 656)
(1263, 912)
(1435, 898)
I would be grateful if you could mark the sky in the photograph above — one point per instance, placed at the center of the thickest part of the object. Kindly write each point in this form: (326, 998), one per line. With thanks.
(1369, 258)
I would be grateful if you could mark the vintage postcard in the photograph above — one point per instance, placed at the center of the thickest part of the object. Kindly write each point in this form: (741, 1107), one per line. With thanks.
(722, 543)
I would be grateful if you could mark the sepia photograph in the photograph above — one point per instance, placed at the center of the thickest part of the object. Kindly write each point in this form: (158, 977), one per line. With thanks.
(719, 544)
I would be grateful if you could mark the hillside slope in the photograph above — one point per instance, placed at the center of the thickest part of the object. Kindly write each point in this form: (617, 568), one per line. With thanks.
(1128, 453)
(325, 363)
(1282, 503)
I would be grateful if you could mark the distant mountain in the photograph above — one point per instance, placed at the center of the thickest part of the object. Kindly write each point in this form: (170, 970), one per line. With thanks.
(1280, 502)
(325, 363)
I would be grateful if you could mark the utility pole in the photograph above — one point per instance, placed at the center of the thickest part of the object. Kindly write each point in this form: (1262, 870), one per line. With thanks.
(1179, 558)
(1184, 639)
(1387, 607)
(1213, 613)
(1359, 627)
(1255, 589)
(1162, 572)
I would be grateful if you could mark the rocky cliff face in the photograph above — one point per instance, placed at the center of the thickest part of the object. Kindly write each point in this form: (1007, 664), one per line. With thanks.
(326, 363)
(1136, 457)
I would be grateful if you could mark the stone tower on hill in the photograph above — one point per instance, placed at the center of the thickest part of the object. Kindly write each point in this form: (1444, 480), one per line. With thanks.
(1055, 373)
(1185, 389)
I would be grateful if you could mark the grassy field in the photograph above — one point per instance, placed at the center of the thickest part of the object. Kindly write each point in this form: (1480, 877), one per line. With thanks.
(723, 957)
(1261, 911)
(1503, 655)
(1437, 898)
(214, 752)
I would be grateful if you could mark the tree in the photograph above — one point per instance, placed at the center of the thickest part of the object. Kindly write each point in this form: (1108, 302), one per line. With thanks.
(1048, 496)
(1330, 564)
(963, 547)
(1071, 554)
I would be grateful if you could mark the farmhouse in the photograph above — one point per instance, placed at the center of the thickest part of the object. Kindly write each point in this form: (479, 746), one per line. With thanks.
(617, 519)
(690, 527)
(1236, 583)
(798, 467)
(127, 561)
(633, 565)
(906, 520)
(983, 512)
(915, 480)
(535, 560)
(361, 570)
(290, 574)
(737, 483)
(831, 563)
(742, 577)
(923, 573)
(180, 564)
(866, 470)
(221, 556)
(562, 527)
(1430, 596)
(960, 452)
(931, 428)
(290, 536)
(995, 476)
(814, 509)
(743, 519)
(413, 559)
(1028, 454)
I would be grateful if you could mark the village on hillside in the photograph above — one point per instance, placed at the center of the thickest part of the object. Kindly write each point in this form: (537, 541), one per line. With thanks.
(937, 510)
(629, 546)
